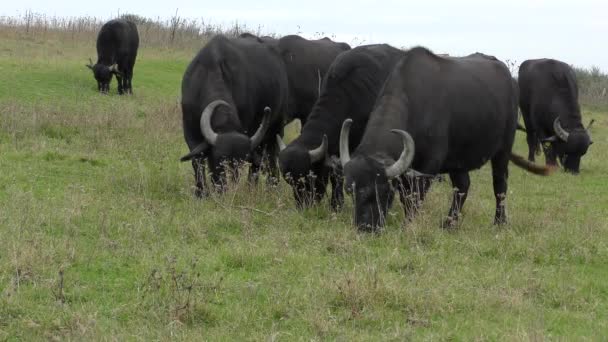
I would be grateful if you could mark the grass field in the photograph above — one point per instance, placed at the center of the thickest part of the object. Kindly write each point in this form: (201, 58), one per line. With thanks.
(101, 238)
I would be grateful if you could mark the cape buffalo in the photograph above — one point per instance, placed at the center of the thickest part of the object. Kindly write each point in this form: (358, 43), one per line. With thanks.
(117, 45)
(551, 112)
(447, 115)
(306, 62)
(234, 96)
(349, 89)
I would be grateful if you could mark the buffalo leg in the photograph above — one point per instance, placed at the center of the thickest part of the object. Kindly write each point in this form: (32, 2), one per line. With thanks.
(532, 137)
(199, 177)
(128, 83)
(273, 168)
(254, 168)
(532, 140)
(412, 191)
(461, 183)
(119, 80)
(337, 195)
(550, 155)
(500, 174)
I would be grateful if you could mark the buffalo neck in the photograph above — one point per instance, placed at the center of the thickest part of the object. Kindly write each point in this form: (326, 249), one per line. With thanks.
(569, 112)
(326, 118)
(391, 112)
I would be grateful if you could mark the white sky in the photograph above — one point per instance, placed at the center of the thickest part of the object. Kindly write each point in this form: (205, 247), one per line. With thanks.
(573, 31)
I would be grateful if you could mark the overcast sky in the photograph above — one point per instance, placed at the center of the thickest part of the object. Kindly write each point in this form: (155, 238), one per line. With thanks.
(573, 31)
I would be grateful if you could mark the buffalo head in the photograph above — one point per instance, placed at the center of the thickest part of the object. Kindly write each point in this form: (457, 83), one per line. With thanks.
(103, 75)
(570, 146)
(226, 151)
(371, 179)
(306, 171)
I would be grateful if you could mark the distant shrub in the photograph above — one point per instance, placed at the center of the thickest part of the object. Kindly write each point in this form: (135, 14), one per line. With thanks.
(593, 85)
(175, 32)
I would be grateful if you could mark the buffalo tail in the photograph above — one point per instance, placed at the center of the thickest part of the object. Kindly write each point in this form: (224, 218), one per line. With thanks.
(530, 166)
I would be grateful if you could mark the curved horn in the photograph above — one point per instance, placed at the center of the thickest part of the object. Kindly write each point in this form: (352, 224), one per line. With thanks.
(319, 153)
(406, 157)
(589, 132)
(281, 143)
(206, 129)
(257, 138)
(344, 151)
(560, 131)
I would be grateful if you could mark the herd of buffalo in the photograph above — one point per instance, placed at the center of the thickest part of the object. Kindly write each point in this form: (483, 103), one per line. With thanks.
(375, 119)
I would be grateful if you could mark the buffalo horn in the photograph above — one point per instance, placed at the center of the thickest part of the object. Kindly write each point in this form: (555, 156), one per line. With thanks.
(280, 143)
(206, 129)
(406, 157)
(344, 151)
(589, 132)
(318, 154)
(560, 131)
(257, 138)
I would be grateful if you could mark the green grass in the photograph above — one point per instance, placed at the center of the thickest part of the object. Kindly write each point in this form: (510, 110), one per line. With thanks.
(101, 238)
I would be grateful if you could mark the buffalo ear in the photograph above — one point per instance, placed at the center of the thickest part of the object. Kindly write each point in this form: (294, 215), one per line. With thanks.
(89, 66)
(550, 139)
(114, 70)
(198, 151)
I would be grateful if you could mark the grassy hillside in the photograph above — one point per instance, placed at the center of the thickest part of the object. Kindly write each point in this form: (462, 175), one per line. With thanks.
(101, 238)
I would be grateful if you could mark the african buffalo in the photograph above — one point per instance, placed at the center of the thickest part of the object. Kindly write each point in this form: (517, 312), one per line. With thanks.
(117, 45)
(447, 115)
(349, 89)
(551, 112)
(234, 97)
(306, 62)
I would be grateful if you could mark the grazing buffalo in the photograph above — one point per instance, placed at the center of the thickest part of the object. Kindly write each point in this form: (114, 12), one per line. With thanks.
(349, 89)
(117, 45)
(234, 96)
(447, 115)
(306, 62)
(552, 115)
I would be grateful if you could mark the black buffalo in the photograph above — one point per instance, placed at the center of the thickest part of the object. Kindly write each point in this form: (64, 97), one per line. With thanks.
(551, 112)
(349, 89)
(447, 115)
(117, 45)
(306, 62)
(234, 96)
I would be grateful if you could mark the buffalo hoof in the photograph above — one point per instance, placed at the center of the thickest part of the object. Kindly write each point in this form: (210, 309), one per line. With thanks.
(410, 215)
(200, 193)
(336, 205)
(450, 223)
(500, 220)
(368, 229)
